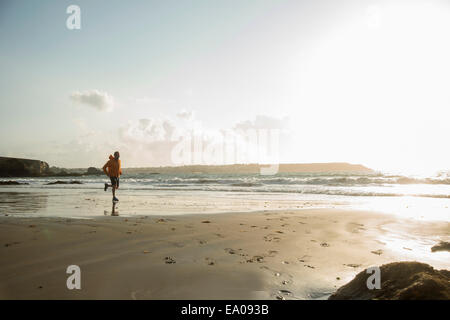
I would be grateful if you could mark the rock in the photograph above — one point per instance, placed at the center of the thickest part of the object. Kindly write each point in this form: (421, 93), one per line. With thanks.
(17, 167)
(11, 183)
(93, 171)
(64, 182)
(441, 246)
(399, 281)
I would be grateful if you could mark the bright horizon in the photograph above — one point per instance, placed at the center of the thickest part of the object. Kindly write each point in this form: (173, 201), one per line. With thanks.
(355, 81)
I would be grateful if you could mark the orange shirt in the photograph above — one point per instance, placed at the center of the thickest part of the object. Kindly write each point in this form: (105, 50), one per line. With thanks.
(112, 167)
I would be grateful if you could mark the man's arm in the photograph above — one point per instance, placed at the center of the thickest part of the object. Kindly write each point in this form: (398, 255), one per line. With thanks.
(120, 168)
(104, 168)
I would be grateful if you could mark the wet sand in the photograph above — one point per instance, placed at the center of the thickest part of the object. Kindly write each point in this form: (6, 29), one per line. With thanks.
(285, 254)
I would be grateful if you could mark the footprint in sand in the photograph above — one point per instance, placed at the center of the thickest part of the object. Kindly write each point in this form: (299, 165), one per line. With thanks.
(284, 293)
(377, 252)
(324, 244)
(259, 259)
(309, 266)
(304, 258)
(270, 237)
(355, 227)
(352, 265)
(272, 253)
(210, 261)
(230, 251)
(202, 242)
(11, 243)
(276, 273)
(169, 260)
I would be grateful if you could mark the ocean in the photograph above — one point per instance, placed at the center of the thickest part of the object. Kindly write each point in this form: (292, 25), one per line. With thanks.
(377, 191)
(344, 184)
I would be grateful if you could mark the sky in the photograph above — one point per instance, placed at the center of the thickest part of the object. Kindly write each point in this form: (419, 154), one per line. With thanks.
(353, 81)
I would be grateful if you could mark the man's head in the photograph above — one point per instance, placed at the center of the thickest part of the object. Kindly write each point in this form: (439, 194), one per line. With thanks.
(116, 155)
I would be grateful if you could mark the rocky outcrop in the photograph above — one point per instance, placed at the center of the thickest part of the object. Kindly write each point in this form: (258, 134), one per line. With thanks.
(64, 182)
(11, 183)
(93, 171)
(441, 246)
(16, 167)
(399, 281)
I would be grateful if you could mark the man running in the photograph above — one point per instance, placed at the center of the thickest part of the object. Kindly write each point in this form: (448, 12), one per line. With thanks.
(113, 170)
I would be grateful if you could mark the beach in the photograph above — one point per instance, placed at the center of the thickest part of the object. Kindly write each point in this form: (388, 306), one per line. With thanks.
(215, 236)
(267, 254)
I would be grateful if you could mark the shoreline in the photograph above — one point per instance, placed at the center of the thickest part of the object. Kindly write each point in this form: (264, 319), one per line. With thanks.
(283, 254)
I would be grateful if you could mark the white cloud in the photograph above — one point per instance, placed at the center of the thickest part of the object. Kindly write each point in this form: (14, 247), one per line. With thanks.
(99, 100)
(264, 122)
(151, 142)
(147, 131)
(185, 114)
(146, 142)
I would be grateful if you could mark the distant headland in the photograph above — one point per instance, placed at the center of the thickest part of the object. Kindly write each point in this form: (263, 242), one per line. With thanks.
(18, 167)
(255, 168)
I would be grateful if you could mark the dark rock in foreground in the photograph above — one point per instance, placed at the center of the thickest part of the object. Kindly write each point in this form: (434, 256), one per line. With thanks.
(441, 246)
(399, 281)
(64, 182)
(11, 183)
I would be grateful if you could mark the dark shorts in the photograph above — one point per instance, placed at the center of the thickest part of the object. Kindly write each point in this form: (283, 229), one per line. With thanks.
(114, 181)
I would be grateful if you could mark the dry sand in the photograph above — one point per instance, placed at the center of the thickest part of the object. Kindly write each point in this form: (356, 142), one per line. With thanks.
(301, 254)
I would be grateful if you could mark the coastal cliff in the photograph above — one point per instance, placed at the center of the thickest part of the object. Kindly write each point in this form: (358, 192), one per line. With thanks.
(17, 167)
